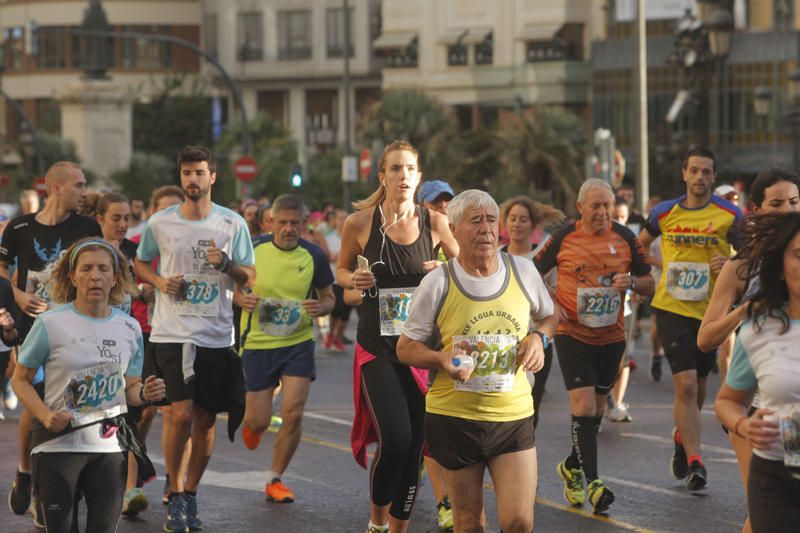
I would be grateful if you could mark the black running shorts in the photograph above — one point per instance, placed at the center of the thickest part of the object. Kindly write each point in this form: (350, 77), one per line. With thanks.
(208, 387)
(588, 365)
(678, 336)
(456, 442)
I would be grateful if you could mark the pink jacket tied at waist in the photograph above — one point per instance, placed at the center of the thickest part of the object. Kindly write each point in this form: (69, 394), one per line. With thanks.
(363, 433)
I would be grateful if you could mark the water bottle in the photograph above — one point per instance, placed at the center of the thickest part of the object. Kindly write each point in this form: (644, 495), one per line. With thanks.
(463, 360)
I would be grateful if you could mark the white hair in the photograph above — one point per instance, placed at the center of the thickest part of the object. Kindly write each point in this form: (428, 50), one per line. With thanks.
(593, 183)
(470, 199)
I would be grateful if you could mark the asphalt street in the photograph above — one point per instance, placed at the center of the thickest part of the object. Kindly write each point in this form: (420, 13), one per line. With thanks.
(333, 491)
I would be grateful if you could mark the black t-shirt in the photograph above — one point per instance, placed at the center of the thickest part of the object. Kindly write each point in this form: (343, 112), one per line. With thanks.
(7, 301)
(128, 248)
(36, 247)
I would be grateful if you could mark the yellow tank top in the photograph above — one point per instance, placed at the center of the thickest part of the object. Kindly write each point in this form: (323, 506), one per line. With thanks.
(499, 319)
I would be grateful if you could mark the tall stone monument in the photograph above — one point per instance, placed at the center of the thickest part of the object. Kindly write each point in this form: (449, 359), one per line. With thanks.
(96, 113)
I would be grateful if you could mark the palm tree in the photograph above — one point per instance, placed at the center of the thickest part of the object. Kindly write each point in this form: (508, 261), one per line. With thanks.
(542, 152)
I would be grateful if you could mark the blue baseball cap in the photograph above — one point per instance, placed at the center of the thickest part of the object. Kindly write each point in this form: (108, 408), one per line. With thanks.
(431, 190)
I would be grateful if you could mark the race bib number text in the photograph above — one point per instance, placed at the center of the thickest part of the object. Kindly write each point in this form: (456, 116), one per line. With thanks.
(200, 297)
(598, 307)
(394, 305)
(495, 359)
(96, 393)
(688, 282)
(279, 318)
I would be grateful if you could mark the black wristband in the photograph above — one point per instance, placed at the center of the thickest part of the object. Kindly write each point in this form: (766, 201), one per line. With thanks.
(225, 265)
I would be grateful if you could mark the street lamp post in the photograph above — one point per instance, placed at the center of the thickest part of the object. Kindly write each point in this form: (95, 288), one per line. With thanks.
(762, 97)
(720, 32)
(700, 46)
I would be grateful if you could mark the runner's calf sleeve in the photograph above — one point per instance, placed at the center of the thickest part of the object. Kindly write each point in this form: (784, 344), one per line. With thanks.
(584, 442)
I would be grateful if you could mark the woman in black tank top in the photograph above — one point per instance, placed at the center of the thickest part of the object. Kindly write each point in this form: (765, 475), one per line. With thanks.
(396, 239)
(395, 266)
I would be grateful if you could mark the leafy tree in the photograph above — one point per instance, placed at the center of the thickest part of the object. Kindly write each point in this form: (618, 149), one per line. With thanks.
(418, 118)
(323, 181)
(54, 149)
(175, 116)
(274, 151)
(542, 153)
(146, 172)
(476, 164)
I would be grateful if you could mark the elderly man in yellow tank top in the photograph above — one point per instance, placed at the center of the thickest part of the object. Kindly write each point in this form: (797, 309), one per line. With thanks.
(469, 321)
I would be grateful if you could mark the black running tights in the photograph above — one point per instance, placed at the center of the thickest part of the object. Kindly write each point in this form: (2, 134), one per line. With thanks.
(397, 407)
(61, 479)
(541, 381)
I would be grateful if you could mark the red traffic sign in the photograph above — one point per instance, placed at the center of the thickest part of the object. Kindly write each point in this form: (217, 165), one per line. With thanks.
(365, 163)
(245, 168)
(39, 186)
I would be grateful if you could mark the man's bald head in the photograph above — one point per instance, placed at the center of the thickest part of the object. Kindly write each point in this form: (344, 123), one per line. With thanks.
(59, 173)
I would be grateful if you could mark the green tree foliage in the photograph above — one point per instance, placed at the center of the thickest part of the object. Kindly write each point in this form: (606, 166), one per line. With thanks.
(476, 165)
(274, 151)
(146, 172)
(542, 154)
(54, 149)
(174, 117)
(323, 181)
(418, 118)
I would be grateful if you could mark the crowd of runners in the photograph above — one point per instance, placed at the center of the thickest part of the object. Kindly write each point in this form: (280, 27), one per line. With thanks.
(113, 313)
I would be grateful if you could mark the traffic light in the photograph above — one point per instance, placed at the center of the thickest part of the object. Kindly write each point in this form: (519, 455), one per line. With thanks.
(296, 175)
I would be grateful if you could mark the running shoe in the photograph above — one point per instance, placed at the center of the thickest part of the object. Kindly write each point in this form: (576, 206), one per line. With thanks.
(19, 499)
(192, 521)
(275, 424)
(655, 368)
(176, 514)
(346, 339)
(378, 529)
(573, 484)
(696, 480)
(619, 413)
(632, 363)
(165, 495)
(680, 468)
(600, 497)
(251, 438)
(10, 400)
(134, 502)
(2, 414)
(444, 515)
(338, 345)
(278, 492)
(328, 342)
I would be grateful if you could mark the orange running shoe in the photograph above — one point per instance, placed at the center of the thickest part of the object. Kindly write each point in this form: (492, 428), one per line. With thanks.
(278, 492)
(251, 438)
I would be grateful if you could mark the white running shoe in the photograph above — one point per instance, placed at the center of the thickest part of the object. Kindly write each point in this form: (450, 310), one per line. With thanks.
(10, 400)
(619, 413)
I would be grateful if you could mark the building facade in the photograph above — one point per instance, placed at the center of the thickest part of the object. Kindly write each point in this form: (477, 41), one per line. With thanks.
(482, 55)
(765, 49)
(40, 66)
(288, 58)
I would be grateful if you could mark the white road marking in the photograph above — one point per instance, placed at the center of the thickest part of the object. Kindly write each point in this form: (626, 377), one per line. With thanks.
(651, 488)
(326, 418)
(668, 441)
